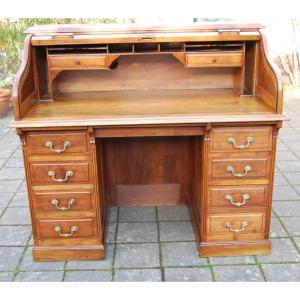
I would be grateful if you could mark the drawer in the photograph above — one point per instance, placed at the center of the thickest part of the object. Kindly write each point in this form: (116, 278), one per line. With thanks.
(239, 169)
(57, 143)
(77, 61)
(236, 226)
(62, 201)
(215, 59)
(59, 173)
(241, 139)
(237, 196)
(64, 229)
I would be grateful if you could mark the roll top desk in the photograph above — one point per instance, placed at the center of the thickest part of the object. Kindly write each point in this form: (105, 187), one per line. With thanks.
(136, 116)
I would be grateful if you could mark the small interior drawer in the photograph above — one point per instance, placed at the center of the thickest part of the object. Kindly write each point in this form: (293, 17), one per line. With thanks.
(237, 196)
(65, 229)
(241, 139)
(240, 168)
(77, 61)
(58, 143)
(59, 173)
(62, 201)
(215, 59)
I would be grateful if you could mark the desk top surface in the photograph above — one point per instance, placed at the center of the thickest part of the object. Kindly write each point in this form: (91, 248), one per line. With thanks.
(148, 107)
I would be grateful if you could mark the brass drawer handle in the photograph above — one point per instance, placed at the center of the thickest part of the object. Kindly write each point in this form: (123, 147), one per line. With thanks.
(68, 174)
(243, 225)
(49, 145)
(232, 171)
(55, 202)
(232, 141)
(74, 229)
(245, 197)
(77, 62)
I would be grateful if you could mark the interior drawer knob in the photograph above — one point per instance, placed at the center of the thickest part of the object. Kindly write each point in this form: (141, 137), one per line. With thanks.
(231, 170)
(55, 202)
(232, 141)
(66, 145)
(67, 176)
(77, 62)
(243, 225)
(74, 229)
(214, 60)
(245, 197)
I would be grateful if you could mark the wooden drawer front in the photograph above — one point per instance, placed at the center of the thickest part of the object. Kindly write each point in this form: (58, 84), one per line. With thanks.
(241, 139)
(246, 226)
(237, 196)
(239, 169)
(64, 229)
(216, 59)
(63, 201)
(40, 173)
(57, 143)
(78, 61)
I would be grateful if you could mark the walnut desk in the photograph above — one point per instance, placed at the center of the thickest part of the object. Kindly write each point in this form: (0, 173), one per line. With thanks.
(135, 116)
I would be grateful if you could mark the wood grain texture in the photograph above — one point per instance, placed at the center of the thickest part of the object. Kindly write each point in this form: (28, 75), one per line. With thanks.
(145, 129)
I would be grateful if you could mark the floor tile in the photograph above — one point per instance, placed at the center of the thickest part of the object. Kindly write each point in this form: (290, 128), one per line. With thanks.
(297, 241)
(137, 232)
(282, 272)
(188, 274)
(285, 156)
(284, 192)
(113, 214)
(135, 275)
(104, 264)
(46, 276)
(293, 177)
(276, 229)
(283, 250)
(292, 225)
(27, 263)
(181, 254)
(111, 232)
(173, 213)
(280, 179)
(14, 235)
(6, 276)
(10, 257)
(231, 260)
(288, 166)
(176, 231)
(88, 276)
(137, 214)
(137, 256)
(16, 162)
(16, 216)
(287, 208)
(9, 186)
(20, 199)
(5, 198)
(237, 273)
(12, 173)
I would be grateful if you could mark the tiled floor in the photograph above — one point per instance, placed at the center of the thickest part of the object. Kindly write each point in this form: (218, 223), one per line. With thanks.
(154, 243)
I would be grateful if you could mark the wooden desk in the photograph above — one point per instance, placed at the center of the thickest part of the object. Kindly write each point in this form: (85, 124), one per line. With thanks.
(135, 116)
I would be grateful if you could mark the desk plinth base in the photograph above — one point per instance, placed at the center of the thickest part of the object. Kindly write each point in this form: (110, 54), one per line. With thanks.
(215, 249)
(59, 253)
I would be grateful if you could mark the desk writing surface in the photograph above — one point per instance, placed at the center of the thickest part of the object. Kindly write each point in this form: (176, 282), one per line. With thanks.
(142, 107)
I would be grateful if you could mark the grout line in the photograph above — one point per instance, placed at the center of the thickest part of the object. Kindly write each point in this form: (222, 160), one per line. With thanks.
(64, 271)
(162, 269)
(17, 268)
(288, 234)
(115, 246)
(260, 268)
(212, 271)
